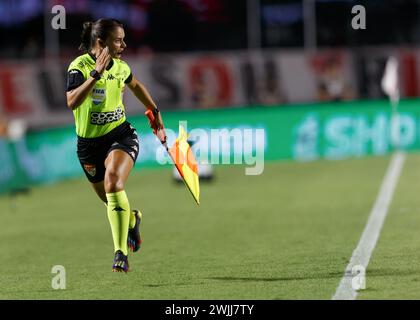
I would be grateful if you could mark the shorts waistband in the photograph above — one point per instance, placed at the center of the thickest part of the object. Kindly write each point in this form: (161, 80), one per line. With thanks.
(123, 126)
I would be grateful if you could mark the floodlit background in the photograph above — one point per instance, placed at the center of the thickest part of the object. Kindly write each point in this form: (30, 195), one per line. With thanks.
(296, 70)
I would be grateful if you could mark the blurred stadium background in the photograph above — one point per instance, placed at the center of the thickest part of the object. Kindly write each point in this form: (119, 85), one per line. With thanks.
(296, 69)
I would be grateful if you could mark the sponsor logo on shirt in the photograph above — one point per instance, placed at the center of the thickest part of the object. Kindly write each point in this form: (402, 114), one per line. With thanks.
(101, 118)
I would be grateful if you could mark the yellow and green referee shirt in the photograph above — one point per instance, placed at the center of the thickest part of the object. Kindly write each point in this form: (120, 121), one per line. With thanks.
(103, 109)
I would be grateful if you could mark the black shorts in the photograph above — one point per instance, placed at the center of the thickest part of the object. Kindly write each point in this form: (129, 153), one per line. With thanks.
(92, 152)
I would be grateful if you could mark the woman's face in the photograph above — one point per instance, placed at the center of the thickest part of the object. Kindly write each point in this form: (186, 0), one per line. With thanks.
(115, 43)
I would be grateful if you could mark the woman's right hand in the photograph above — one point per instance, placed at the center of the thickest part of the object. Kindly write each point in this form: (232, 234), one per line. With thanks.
(161, 134)
(102, 60)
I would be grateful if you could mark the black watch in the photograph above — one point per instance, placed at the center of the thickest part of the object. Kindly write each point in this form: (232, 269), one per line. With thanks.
(95, 74)
(155, 111)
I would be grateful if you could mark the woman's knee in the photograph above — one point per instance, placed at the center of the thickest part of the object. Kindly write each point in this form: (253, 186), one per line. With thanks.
(113, 182)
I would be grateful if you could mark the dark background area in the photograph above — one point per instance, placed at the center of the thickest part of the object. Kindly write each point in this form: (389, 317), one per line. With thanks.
(207, 25)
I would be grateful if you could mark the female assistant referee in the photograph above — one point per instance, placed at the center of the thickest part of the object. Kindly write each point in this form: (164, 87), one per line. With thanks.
(108, 145)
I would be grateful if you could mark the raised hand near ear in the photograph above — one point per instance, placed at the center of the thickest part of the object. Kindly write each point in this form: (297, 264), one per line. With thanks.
(102, 60)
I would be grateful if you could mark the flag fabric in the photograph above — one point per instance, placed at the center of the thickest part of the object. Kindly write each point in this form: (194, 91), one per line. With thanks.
(185, 162)
(389, 81)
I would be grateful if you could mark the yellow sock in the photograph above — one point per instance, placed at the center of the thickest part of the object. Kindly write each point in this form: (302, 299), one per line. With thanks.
(132, 217)
(118, 210)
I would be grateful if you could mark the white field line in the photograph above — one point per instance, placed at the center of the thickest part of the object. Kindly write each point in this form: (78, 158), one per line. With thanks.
(367, 242)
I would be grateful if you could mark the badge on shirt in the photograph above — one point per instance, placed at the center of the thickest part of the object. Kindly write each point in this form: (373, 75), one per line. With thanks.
(98, 95)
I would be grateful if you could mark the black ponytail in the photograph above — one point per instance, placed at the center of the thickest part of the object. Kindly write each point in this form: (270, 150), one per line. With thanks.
(86, 37)
(99, 29)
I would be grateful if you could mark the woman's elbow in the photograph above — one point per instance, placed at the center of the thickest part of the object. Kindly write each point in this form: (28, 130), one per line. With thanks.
(71, 102)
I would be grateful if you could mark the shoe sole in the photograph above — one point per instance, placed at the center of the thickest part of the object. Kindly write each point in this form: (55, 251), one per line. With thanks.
(119, 270)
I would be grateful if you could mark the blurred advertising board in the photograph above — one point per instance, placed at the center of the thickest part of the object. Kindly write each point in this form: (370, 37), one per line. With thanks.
(305, 133)
(35, 90)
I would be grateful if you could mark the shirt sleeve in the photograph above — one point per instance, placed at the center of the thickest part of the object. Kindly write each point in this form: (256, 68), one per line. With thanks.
(75, 78)
(77, 73)
(128, 80)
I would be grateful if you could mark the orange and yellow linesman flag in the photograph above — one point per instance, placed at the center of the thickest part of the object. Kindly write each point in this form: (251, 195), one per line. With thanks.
(186, 164)
(183, 158)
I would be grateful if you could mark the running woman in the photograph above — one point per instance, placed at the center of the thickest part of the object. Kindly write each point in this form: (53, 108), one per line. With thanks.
(108, 145)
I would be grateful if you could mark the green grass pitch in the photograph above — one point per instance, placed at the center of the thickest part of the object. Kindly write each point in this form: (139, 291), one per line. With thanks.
(286, 234)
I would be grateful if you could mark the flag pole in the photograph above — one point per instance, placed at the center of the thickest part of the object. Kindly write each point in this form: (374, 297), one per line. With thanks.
(174, 158)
